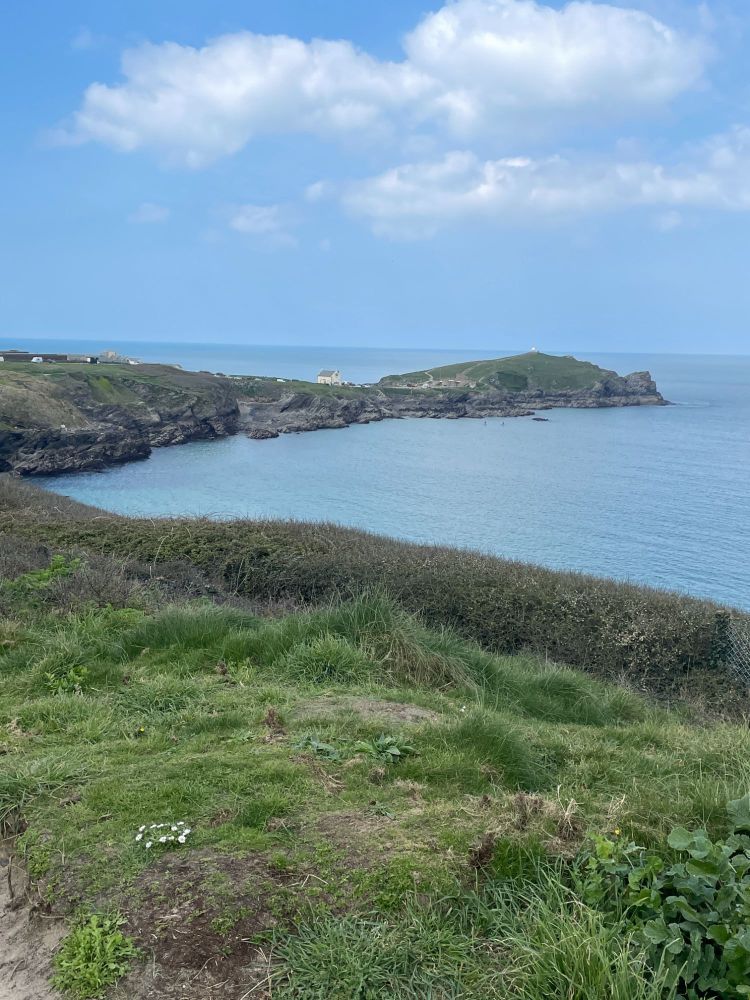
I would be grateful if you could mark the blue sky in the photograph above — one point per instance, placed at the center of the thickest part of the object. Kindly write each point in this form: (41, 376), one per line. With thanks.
(485, 173)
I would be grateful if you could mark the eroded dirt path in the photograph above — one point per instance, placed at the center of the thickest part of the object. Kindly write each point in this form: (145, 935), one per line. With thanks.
(27, 942)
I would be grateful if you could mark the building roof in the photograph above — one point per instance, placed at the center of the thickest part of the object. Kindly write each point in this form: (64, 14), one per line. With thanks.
(328, 371)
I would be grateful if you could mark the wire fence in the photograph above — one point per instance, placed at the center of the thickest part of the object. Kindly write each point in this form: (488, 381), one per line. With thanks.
(739, 647)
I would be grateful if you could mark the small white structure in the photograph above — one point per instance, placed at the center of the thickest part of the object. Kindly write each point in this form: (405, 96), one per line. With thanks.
(329, 377)
(37, 360)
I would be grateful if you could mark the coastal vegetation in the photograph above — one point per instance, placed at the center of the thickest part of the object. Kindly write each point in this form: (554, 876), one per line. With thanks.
(217, 772)
(532, 370)
(666, 644)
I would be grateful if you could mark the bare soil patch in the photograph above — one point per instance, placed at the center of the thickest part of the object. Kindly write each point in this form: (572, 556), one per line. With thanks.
(369, 708)
(28, 940)
(200, 920)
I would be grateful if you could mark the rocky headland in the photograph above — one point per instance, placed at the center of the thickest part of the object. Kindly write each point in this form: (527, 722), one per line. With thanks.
(70, 420)
(275, 409)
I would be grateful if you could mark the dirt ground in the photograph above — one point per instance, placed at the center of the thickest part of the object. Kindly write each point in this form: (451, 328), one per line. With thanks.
(28, 940)
(369, 708)
(200, 921)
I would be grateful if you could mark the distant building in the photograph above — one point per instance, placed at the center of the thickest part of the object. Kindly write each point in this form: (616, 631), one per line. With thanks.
(329, 377)
(113, 358)
(25, 356)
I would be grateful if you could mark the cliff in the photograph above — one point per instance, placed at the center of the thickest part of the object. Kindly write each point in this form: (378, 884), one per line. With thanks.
(66, 418)
(268, 409)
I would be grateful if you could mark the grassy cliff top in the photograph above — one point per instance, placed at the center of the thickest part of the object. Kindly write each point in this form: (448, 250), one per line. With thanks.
(47, 395)
(532, 370)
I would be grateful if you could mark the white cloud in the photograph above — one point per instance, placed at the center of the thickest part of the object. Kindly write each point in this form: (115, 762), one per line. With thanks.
(269, 223)
(498, 57)
(417, 199)
(148, 213)
(475, 66)
(83, 39)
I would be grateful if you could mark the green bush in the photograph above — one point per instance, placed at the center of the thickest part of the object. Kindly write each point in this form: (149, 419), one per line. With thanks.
(658, 640)
(691, 914)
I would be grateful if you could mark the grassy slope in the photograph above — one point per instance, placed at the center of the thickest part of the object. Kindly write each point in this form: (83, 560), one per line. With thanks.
(660, 641)
(111, 718)
(543, 371)
(39, 395)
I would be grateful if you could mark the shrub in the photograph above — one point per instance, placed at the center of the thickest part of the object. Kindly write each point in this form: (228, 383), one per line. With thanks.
(693, 914)
(655, 639)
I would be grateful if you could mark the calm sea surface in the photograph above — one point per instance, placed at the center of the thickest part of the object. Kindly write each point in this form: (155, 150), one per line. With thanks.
(658, 495)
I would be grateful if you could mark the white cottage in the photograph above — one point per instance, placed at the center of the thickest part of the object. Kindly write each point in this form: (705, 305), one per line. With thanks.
(329, 377)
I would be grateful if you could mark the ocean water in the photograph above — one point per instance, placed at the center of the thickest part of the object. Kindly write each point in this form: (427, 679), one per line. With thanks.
(656, 495)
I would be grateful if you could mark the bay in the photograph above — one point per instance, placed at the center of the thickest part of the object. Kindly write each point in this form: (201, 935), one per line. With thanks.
(656, 495)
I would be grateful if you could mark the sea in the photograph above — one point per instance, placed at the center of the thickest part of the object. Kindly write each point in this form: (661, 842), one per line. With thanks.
(654, 495)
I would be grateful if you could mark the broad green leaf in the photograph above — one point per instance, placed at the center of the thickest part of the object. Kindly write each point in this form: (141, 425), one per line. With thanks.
(739, 813)
(680, 839)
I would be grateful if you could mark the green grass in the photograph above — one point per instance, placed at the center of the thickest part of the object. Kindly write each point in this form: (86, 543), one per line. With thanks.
(533, 370)
(47, 395)
(669, 644)
(440, 873)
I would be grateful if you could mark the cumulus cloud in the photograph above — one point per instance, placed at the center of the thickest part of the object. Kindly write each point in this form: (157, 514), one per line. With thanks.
(499, 56)
(269, 223)
(148, 213)
(473, 66)
(417, 199)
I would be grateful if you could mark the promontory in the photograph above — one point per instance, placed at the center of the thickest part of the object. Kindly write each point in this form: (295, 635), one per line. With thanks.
(62, 417)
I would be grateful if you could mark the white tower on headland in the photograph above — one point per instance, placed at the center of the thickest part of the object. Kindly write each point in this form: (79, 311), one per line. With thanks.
(533, 351)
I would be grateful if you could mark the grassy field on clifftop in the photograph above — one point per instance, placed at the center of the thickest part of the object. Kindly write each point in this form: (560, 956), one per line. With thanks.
(532, 370)
(360, 806)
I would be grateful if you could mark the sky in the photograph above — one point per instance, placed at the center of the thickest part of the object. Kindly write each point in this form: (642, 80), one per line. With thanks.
(479, 174)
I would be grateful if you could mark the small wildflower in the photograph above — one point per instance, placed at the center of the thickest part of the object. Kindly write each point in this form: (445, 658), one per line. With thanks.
(178, 835)
(616, 831)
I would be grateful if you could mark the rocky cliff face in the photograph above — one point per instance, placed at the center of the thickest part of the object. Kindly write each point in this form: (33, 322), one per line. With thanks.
(301, 411)
(95, 431)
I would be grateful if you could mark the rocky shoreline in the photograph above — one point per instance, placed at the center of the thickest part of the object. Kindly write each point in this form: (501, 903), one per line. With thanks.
(71, 430)
(262, 418)
(69, 422)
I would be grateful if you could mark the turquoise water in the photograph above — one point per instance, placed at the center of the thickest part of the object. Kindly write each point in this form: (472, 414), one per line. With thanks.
(655, 495)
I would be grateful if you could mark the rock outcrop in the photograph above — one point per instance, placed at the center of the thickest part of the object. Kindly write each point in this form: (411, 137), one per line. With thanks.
(306, 411)
(73, 423)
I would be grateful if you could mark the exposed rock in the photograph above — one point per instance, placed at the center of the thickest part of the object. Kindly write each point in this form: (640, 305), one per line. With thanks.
(172, 407)
(261, 433)
(307, 411)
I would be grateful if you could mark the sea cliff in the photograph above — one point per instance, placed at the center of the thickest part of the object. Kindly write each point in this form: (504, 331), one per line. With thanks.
(277, 410)
(65, 419)
(68, 418)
